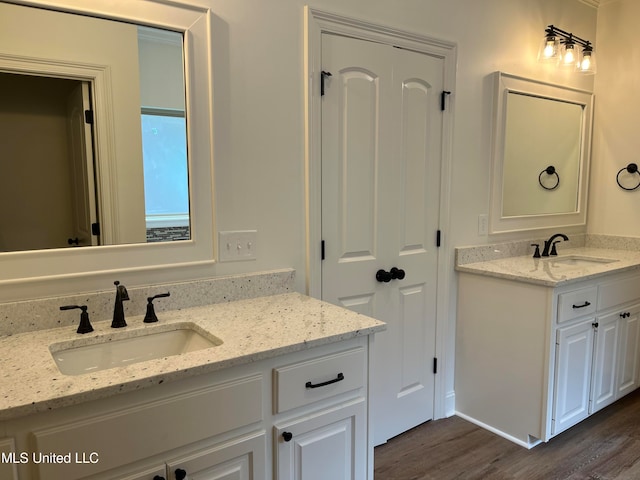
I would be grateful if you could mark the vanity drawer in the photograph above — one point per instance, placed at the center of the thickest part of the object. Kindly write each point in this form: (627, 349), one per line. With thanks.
(306, 382)
(577, 303)
(618, 292)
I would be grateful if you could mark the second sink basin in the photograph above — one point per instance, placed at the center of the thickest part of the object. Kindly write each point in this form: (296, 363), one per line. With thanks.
(136, 346)
(579, 261)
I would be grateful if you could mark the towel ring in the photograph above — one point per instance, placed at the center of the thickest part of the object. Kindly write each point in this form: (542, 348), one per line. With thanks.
(550, 170)
(631, 168)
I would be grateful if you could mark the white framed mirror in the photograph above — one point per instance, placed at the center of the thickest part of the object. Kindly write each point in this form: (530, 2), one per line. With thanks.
(124, 252)
(541, 153)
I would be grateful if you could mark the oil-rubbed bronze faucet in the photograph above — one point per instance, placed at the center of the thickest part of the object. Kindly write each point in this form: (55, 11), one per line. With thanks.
(550, 244)
(118, 309)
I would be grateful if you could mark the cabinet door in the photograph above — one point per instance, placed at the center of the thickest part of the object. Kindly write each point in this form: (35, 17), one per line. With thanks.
(327, 445)
(604, 382)
(239, 459)
(629, 355)
(574, 351)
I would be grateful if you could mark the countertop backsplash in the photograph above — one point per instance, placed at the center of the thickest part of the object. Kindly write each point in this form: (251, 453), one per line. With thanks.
(40, 314)
(496, 251)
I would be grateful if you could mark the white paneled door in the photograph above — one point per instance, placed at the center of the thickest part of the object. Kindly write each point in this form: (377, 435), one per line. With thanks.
(381, 161)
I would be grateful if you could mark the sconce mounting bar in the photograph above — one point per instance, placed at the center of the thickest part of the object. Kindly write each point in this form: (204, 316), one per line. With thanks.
(552, 30)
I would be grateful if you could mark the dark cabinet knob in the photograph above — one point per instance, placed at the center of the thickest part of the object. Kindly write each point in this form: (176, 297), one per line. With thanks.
(180, 474)
(383, 276)
(397, 273)
(73, 241)
(158, 477)
(287, 436)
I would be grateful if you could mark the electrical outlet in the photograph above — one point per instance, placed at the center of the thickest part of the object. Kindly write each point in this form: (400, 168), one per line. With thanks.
(483, 224)
(237, 245)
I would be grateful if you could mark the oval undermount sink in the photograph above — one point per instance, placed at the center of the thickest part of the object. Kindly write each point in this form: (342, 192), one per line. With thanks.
(127, 347)
(579, 261)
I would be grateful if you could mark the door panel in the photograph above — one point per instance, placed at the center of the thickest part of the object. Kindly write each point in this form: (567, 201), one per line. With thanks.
(412, 330)
(381, 154)
(358, 165)
(605, 354)
(629, 356)
(573, 375)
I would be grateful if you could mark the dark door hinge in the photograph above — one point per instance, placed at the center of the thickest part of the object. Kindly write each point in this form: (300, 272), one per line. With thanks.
(443, 96)
(438, 238)
(435, 365)
(323, 75)
(88, 117)
(95, 229)
(322, 250)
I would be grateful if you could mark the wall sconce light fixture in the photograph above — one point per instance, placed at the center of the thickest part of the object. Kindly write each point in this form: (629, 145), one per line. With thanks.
(567, 50)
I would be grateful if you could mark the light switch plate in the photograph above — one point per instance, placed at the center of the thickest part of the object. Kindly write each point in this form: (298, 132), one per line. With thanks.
(237, 245)
(483, 224)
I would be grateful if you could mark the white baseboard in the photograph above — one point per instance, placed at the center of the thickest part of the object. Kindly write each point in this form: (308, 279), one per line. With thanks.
(528, 445)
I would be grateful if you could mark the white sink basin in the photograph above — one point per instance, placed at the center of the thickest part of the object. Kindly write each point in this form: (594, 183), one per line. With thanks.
(577, 261)
(125, 348)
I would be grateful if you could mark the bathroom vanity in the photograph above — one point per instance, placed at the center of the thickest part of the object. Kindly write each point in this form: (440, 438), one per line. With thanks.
(282, 392)
(542, 343)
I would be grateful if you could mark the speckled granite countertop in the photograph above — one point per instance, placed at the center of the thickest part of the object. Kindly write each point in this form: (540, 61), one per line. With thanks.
(251, 330)
(551, 271)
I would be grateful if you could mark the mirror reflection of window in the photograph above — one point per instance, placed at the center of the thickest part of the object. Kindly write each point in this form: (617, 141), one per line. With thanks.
(164, 152)
(164, 140)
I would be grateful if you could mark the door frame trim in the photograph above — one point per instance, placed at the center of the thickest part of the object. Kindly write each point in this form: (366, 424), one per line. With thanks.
(317, 22)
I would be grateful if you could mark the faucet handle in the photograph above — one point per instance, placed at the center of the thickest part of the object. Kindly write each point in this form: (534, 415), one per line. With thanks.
(536, 254)
(151, 316)
(85, 324)
(553, 248)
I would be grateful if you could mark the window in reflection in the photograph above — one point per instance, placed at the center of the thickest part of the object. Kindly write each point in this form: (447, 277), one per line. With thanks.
(166, 192)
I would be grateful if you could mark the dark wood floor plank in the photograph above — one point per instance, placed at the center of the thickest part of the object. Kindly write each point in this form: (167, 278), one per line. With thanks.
(606, 446)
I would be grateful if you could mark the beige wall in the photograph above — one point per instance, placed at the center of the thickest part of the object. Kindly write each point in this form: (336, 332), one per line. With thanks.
(612, 210)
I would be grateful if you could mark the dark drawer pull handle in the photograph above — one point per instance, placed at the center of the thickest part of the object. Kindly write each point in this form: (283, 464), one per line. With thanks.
(339, 378)
(585, 304)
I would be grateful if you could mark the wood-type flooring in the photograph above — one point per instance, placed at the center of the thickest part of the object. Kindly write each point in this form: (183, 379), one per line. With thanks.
(605, 446)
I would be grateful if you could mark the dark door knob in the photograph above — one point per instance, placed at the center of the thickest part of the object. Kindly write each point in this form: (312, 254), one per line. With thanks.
(287, 436)
(383, 276)
(397, 273)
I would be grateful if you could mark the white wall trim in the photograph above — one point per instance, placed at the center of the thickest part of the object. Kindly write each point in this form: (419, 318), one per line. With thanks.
(318, 22)
(527, 445)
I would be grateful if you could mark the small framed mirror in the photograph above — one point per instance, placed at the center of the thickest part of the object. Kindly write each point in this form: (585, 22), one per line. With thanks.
(541, 151)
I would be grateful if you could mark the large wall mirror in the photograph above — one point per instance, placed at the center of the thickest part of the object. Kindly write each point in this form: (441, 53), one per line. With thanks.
(106, 121)
(542, 135)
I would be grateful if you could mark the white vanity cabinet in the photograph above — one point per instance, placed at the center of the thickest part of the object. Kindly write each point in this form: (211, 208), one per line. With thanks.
(534, 360)
(321, 427)
(227, 425)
